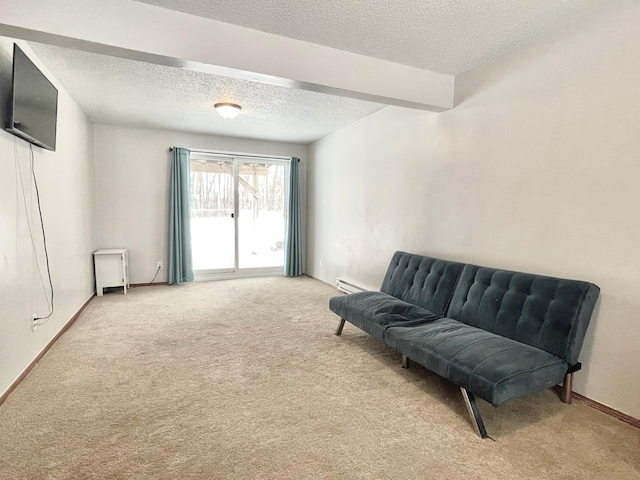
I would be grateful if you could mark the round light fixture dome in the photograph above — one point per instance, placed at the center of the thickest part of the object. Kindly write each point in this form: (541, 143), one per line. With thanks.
(228, 110)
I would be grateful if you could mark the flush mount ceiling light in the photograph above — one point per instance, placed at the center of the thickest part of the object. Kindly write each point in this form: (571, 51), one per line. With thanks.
(228, 110)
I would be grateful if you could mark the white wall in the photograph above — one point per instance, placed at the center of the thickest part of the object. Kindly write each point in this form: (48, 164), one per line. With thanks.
(132, 169)
(537, 169)
(66, 184)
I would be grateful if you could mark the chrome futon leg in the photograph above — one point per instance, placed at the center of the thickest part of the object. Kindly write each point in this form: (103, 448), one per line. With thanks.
(340, 327)
(567, 385)
(474, 413)
(405, 361)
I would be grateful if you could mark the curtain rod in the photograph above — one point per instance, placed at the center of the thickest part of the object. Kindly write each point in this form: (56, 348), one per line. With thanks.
(230, 154)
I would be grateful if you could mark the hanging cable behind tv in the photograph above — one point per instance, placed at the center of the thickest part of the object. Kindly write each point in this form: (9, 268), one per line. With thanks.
(37, 318)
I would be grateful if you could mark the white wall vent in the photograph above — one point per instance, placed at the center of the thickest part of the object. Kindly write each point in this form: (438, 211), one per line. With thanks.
(349, 286)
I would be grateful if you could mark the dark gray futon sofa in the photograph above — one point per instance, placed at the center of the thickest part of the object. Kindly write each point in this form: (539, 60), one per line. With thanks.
(496, 334)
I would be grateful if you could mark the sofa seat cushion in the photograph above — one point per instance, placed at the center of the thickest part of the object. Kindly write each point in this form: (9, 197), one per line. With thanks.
(374, 312)
(492, 367)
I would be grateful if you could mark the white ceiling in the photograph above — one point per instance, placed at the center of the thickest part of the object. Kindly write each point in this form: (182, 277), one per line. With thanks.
(444, 36)
(118, 91)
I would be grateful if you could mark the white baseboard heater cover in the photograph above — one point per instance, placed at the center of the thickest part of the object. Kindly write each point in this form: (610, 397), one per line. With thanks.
(349, 286)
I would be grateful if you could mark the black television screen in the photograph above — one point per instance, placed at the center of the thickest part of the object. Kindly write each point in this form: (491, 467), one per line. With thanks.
(34, 103)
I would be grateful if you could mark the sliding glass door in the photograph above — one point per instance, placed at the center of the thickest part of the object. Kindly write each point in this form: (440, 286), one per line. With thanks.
(212, 212)
(237, 214)
(261, 216)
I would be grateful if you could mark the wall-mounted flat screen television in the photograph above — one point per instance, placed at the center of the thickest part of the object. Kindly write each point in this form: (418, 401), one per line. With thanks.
(34, 103)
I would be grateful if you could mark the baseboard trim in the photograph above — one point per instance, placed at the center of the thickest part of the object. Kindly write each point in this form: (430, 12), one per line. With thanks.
(134, 285)
(578, 397)
(322, 281)
(634, 422)
(26, 371)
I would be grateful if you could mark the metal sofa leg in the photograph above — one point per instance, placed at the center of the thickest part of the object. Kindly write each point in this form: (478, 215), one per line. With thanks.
(340, 327)
(474, 413)
(405, 362)
(567, 388)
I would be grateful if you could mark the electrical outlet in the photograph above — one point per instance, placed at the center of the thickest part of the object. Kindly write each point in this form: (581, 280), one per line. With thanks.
(34, 325)
(160, 267)
(321, 264)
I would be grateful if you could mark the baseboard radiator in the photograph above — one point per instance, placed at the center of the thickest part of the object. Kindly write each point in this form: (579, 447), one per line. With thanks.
(349, 286)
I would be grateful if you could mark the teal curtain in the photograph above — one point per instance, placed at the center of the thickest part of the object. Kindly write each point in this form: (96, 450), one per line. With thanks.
(180, 261)
(293, 235)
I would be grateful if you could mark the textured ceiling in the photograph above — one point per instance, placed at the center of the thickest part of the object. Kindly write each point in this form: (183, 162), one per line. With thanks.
(445, 36)
(125, 92)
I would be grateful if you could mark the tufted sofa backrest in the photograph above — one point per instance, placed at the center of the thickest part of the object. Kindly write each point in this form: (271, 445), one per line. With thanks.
(423, 281)
(548, 313)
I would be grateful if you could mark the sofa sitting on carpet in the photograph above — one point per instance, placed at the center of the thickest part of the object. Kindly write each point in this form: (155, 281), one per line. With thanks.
(496, 334)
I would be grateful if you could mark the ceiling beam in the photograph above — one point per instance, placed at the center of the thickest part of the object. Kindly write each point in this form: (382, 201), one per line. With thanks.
(143, 32)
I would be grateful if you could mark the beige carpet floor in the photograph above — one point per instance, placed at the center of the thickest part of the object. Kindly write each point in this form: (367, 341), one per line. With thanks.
(244, 379)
